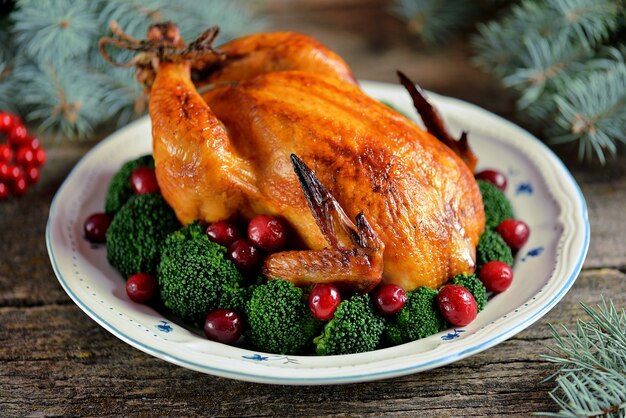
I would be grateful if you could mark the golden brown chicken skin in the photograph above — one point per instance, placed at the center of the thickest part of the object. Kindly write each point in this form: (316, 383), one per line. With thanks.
(232, 152)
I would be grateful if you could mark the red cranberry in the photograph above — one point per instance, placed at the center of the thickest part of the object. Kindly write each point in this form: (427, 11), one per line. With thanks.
(141, 287)
(267, 232)
(323, 301)
(24, 156)
(40, 157)
(496, 276)
(9, 173)
(96, 227)
(514, 232)
(6, 153)
(223, 233)
(494, 177)
(17, 135)
(457, 305)
(143, 181)
(32, 175)
(223, 326)
(389, 299)
(8, 121)
(19, 186)
(244, 254)
(4, 191)
(34, 143)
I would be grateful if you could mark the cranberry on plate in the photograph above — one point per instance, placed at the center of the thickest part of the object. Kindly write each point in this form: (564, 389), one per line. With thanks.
(223, 325)
(389, 299)
(457, 305)
(143, 181)
(141, 287)
(496, 276)
(96, 226)
(323, 301)
(267, 232)
(244, 254)
(493, 176)
(223, 233)
(514, 232)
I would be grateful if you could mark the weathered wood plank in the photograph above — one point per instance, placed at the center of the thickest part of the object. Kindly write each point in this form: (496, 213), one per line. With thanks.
(58, 353)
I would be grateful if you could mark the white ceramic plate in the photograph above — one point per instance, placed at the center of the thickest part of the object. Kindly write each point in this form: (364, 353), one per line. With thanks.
(541, 189)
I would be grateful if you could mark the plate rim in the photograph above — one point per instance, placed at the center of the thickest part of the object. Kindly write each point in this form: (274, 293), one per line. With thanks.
(363, 375)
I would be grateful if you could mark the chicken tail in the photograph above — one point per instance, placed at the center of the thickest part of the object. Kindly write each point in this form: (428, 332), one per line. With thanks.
(434, 124)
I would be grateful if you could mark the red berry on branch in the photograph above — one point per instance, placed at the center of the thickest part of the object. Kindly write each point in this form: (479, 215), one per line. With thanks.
(8, 120)
(17, 135)
(34, 143)
(4, 191)
(24, 156)
(19, 186)
(32, 175)
(40, 157)
(6, 153)
(9, 172)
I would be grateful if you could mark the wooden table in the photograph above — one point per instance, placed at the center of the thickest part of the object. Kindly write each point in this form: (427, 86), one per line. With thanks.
(56, 361)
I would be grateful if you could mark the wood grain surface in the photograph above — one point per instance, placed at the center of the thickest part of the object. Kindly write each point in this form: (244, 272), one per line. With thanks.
(55, 361)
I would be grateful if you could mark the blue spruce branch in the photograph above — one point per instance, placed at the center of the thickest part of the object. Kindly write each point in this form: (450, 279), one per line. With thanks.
(591, 380)
(435, 21)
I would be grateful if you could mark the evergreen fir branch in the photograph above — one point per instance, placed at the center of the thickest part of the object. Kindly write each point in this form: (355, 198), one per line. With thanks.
(66, 100)
(55, 34)
(591, 380)
(435, 21)
(191, 16)
(545, 62)
(593, 112)
(591, 22)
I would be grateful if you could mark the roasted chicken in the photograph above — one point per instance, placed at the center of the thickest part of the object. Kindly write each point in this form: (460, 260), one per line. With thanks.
(276, 124)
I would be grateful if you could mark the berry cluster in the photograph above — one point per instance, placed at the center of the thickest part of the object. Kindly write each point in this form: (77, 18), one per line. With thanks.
(21, 157)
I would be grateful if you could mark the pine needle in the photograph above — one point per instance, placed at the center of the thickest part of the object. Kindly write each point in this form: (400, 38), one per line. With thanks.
(591, 380)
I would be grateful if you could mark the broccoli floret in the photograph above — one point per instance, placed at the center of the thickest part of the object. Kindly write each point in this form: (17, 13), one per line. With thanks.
(418, 318)
(120, 190)
(195, 277)
(492, 247)
(355, 328)
(497, 206)
(279, 320)
(475, 286)
(136, 233)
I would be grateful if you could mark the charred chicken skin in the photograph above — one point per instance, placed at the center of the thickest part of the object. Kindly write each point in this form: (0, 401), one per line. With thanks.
(276, 124)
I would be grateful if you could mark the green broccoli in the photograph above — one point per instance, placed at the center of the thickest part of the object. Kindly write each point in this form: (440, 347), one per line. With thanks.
(418, 318)
(497, 206)
(475, 286)
(120, 190)
(136, 233)
(279, 320)
(355, 328)
(195, 277)
(492, 247)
